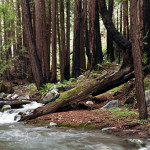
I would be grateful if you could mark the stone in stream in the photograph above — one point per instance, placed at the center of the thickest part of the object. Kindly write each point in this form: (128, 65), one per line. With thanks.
(52, 124)
(51, 96)
(5, 107)
(136, 143)
(111, 104)
(24, 97)
(105, 148)
(14, 96)
(2, 95)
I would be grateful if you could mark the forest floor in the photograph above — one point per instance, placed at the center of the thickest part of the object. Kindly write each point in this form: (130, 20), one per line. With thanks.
(123, 121)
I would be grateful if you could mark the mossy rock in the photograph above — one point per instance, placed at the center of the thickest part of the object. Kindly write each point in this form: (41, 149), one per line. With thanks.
(5, 107)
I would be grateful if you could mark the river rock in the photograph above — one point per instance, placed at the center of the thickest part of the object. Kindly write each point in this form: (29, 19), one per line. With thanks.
(136, 143)
(89, 103)
(147, 97)
(111, 104)
(5, 107)
(51, 96)
(2, 95)
(52, 124)
(14, 96)
(109, 128)
(106, 148)
(24, 97)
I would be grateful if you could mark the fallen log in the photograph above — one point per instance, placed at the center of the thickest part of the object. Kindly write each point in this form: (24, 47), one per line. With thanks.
(83, 91)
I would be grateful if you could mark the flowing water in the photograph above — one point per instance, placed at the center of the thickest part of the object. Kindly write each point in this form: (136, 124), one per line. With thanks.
(20, 136)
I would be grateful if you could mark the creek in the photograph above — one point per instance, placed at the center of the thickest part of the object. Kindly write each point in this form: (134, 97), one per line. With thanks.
(19, 136)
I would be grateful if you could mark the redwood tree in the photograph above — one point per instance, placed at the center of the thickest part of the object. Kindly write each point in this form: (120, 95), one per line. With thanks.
(41, 38)
(136, 29)
(110, 47)
(54, 61)
(96, 48)
(35, 63)
(76, 43)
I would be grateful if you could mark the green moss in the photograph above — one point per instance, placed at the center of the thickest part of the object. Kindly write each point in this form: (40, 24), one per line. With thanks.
(147, 83)
(81, 125)
(116, 89)
(124, 113)
(71, 92)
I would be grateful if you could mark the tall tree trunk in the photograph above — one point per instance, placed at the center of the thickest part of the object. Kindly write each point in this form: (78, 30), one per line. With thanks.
(97, 56)
(110, 47)
(86, 31)
(136, 28)
(41, 38)
(82, 46)
(49, 25)
(54, 60)
(63, 45)
(76, 42)
(125, 20)
(35, 63)
(67, 67)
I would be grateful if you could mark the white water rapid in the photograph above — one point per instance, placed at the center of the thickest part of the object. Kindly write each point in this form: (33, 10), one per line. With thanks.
(14, 115)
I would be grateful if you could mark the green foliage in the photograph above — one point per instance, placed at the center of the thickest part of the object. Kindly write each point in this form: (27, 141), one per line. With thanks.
(118, 113)
(47, 87)
(144, 121)
(146, 83)
(8, 25)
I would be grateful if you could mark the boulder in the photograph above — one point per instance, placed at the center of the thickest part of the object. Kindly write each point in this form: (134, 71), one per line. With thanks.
(5, 107)
(14, 96)
(27, 97)
(51, 96)
(147, 97)
(2, 95)
(52, 124)
(111, 104)
(136, 143)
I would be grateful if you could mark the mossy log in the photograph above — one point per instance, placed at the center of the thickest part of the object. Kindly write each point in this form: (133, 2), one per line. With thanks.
(83, 91)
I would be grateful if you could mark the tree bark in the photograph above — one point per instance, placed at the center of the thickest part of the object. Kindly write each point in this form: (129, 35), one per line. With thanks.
(67, 67)
(54, 61)
(41, 38)
(136, 28)
(110, 47)
(82, 92)
(76, 42)
(35, 63)
(97, 56)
